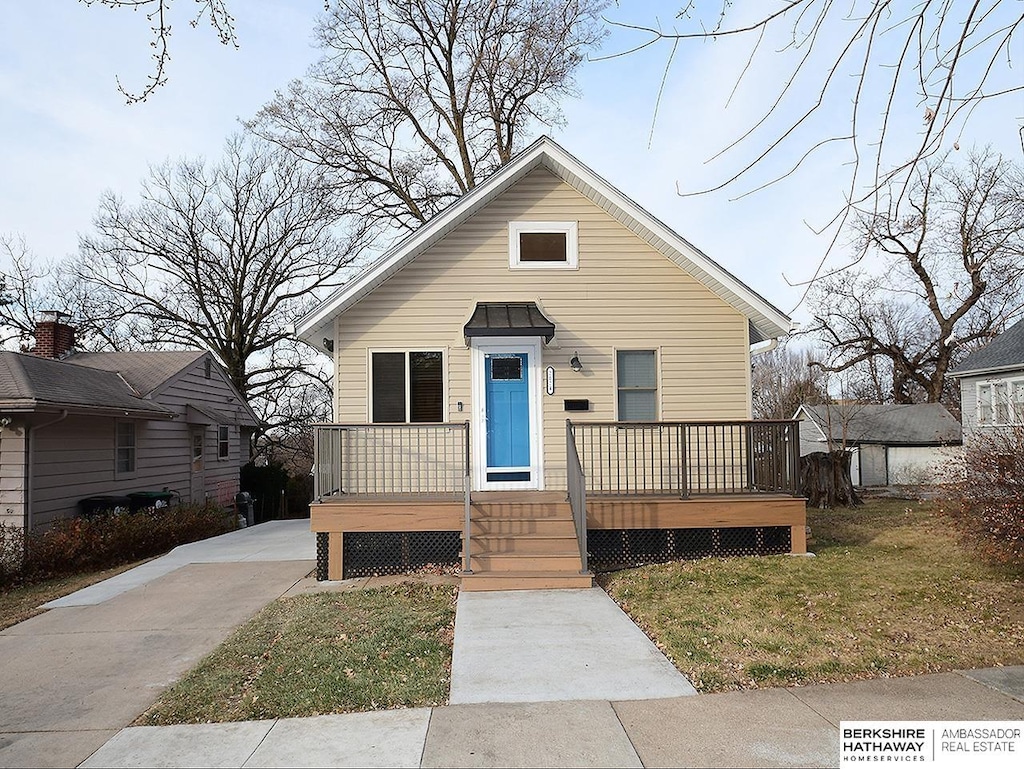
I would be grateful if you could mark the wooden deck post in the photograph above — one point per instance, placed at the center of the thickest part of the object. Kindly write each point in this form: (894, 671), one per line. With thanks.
(334, 555)
(798, 539)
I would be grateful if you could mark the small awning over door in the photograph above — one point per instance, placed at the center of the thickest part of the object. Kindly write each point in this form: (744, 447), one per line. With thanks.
(509, 319)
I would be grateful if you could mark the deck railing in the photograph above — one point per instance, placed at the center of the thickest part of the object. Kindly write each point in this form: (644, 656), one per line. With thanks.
(577, 490)
(391, 460)
(688, 458)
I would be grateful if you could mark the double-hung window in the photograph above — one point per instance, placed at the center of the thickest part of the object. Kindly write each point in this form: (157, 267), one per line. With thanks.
(125, 447)
(223, 441)
(1001, 403)
(407, 386)
(637, 384)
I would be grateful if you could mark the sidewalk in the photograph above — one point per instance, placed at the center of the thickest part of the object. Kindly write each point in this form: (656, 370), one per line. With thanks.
(772, 727)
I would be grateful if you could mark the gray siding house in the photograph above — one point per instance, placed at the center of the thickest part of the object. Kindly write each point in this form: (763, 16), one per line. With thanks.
(79, 425)
(992, 383)
(890, 443)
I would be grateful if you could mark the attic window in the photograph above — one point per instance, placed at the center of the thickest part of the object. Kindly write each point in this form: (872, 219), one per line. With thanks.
(543, 245)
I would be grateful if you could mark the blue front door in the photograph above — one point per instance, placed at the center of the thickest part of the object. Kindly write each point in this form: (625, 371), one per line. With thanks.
(507, 400)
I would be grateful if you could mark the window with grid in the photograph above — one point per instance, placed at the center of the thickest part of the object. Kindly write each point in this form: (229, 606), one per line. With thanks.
(637, 383)
(223, 441)
(125, 447)
(407, 386)
(1001, 403)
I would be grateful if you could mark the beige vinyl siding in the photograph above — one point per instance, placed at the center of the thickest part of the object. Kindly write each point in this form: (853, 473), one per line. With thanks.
(12, 474)
(625, 295)
(75, 458)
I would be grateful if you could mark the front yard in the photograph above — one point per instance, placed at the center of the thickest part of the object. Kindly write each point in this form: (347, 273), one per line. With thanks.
(890, 593)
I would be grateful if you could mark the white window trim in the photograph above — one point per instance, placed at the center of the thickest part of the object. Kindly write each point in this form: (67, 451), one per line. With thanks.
(572, 249)
(657, 380)
(1015, 417)
(408, 405)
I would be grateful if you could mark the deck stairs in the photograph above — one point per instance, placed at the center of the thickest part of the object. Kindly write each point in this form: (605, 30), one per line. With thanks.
(521, 541)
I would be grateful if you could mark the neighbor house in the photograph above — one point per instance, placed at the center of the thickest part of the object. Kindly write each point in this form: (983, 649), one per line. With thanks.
(541, 378)
(890, 444)
(992, 383)
(87, 426)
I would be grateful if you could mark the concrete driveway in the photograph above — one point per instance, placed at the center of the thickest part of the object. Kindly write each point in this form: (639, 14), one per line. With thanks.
(77, 674)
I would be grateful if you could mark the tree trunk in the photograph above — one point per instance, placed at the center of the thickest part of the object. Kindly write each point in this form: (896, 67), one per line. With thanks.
(825, 480)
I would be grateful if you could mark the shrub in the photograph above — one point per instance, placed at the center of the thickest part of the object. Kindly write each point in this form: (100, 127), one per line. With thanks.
(76, 545)
(986, 493)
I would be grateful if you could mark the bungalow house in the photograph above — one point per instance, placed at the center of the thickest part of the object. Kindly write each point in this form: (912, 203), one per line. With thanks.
(992, 383)
(891, 444)
(542, 378)
(80, 426)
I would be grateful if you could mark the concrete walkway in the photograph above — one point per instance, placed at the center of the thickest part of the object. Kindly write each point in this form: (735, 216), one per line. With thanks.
(554, 645)
(75, 675)
(773, 727)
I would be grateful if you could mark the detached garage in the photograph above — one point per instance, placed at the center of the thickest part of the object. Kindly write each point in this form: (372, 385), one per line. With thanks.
(891, 444)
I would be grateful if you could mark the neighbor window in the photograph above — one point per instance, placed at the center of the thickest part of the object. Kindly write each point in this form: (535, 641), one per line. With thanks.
(223, 441)
(543, 245)
(637, 382)
(407, 386)
(1001, 403)
(125, 447)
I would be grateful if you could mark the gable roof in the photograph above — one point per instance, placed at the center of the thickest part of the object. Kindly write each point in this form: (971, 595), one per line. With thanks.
(766, 321)
(898, 425)
(145, 371)
(29, 383)
(1005, 351)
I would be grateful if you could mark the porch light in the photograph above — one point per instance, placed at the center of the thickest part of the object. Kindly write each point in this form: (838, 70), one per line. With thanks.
(574, 362)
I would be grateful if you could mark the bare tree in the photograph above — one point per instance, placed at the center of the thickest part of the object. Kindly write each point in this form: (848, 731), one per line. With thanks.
(32, 285)
(414, 102)
(948, 257)
(782, 380)
(158, 14)
(851, 74)
(226, 256)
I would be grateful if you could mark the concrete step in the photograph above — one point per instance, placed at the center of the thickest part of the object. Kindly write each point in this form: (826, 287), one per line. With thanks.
(526, 580)
(552, 527)
(524, 543)
(492, 562)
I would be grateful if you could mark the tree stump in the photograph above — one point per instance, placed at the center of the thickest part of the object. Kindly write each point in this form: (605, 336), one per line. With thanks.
(825, 480)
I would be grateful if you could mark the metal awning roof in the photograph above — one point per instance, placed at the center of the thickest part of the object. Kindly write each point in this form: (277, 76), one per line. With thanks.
(509, 319)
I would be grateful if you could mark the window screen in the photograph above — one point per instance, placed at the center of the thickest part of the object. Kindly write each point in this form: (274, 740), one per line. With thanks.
(389, 387)
(542, 247)
(415, 378)
(637, 381)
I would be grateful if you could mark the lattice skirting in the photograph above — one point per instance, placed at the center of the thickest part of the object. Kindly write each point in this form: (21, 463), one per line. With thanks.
(611, 549)
(373, 553)
(322, 538)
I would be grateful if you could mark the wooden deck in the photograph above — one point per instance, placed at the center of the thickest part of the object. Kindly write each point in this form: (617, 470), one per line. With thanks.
(524, 539)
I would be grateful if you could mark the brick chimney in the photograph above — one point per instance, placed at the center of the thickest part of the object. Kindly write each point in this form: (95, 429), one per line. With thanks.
(54, 338)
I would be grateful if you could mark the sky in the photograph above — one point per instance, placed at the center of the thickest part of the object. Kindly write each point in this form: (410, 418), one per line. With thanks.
(66, 134)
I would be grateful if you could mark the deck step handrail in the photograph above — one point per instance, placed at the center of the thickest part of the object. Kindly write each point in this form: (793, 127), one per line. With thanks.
(428, 459)
(577, 491)
(688, 458)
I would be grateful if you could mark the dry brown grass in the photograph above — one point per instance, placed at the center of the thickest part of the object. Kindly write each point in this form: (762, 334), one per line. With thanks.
(890, 593)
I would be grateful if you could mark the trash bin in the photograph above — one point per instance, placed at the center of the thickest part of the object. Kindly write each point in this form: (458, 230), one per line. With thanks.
(244, 508)
(155, 499)
(91, 506)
